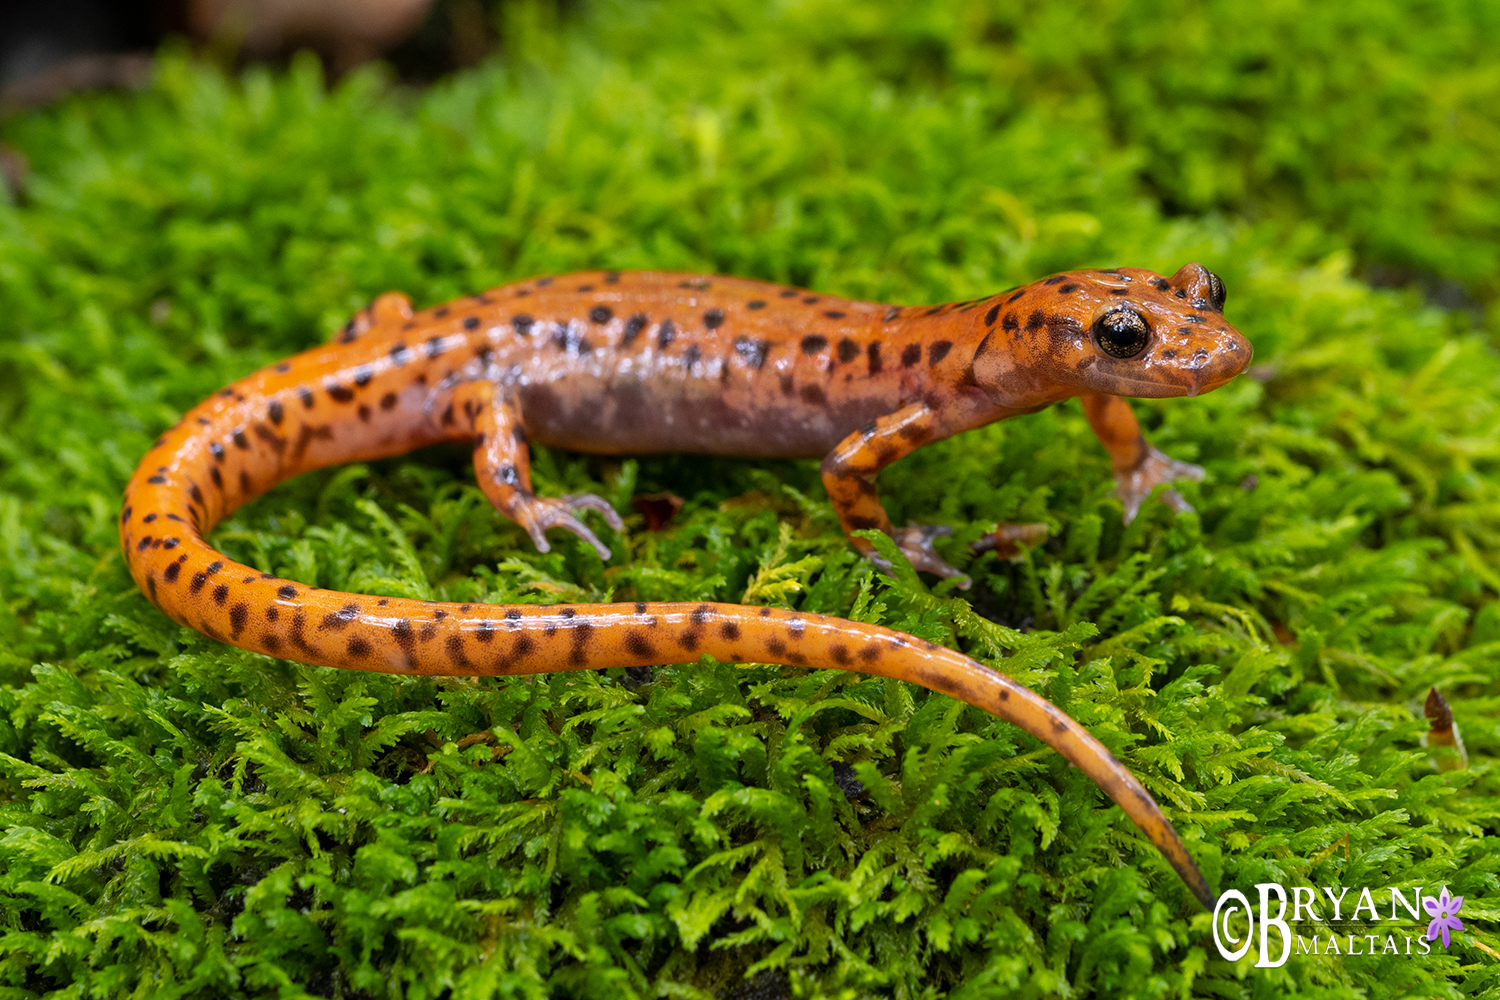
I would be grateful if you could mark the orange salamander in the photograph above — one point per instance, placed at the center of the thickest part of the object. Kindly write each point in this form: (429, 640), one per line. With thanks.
(614, 363)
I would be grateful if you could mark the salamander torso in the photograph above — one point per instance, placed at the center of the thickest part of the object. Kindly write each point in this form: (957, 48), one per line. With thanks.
(612, 362)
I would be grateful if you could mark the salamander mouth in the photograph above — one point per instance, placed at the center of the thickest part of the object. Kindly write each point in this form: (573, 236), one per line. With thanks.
(1189, 385)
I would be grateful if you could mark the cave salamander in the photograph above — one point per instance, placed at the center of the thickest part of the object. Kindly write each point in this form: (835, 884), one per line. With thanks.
(613, 363)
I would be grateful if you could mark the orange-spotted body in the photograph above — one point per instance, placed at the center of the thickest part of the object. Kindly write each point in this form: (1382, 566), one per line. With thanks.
(610, 362)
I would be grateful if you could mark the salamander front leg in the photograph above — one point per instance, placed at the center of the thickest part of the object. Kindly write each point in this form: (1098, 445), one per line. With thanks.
(849, 473)
(1139, 467)
(503, 467)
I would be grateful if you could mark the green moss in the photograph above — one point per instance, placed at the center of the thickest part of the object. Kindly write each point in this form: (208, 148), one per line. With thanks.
(184, 819)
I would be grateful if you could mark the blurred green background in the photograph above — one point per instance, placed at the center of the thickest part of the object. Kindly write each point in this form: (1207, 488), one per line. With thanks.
(184, 819)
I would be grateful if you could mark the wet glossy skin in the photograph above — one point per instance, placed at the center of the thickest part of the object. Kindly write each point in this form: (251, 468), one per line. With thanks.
(640, 362)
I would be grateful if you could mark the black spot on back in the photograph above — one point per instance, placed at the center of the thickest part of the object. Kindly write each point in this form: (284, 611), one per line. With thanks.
(637, 645)
(633, 327)
(336, 620)
(752, 352)
(401, 632)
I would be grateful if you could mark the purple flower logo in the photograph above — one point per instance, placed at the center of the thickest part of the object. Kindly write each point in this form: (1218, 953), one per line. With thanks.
(1444, 912)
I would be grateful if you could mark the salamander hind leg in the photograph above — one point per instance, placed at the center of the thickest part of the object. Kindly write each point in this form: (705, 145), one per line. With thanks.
(1139, 467)
(849, 475)
(502, 465)
(1007, 540)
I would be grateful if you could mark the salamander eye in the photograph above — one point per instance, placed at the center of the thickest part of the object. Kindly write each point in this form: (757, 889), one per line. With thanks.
(1121, 333)
(1215, 291)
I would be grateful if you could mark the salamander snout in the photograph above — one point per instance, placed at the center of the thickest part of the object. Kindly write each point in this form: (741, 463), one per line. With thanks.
(1187, 360)
(1153, 336)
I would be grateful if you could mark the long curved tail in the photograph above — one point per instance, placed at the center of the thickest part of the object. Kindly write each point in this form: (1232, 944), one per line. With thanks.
(186, 484)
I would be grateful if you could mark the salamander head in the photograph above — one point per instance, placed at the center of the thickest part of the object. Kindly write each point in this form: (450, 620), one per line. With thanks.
(1125, 332)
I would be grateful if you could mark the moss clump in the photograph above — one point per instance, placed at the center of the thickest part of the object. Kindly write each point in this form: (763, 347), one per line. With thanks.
(184, 819)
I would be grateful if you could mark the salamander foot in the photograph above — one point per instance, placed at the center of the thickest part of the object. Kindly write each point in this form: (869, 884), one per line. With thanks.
(915, 542)
(542, 513)
(1134, 485)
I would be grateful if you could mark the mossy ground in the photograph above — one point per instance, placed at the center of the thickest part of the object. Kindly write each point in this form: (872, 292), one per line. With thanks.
(184, 819)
